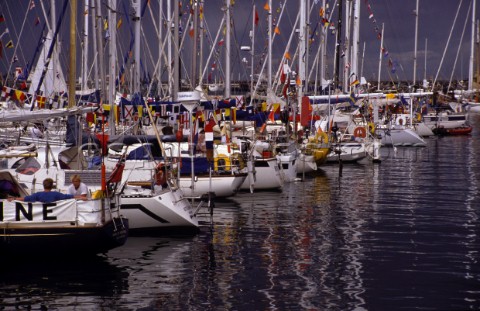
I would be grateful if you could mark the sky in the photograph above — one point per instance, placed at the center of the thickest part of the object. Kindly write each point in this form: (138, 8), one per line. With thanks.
(436, 19)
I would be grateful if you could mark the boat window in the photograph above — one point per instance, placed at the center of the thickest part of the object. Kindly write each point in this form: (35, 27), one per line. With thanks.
(29, 167)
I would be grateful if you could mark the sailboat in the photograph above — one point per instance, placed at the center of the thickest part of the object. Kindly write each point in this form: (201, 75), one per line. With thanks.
(63, 227)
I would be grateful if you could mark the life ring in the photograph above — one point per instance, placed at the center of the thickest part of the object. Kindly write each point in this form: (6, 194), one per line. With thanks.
(160, 175)
(360, 131)
(371, 127)
(401, 120)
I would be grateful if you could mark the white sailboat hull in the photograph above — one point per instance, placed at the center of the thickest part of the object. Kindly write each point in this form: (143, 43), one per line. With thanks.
(220, 185)
(167, 209)
(400, 136)
(267, 175)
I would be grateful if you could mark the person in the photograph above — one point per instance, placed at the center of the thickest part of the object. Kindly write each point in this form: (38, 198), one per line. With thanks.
(77, 188)
(47, 195)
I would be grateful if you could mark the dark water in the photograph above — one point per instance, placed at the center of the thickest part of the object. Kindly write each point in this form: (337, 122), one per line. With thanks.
(400, 235)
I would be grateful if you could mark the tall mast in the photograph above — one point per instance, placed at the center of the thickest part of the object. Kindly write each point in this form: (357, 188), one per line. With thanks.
(200, 43)
(425, 67)
(270, 35)
(136, 77)
(194, 43)
(323, 42)
(112, 57)
(415, 49)
(252, 50)
(160, 47)
(176, 58)
(380, 59)
(55, 50)
(472, 49)
(100, 45)
(355, 39)
(227, 52)
(73, 54)
(85, 45)
(338, 43)
(301, 61)
(346, 52)
(169, 45)
(94, 40)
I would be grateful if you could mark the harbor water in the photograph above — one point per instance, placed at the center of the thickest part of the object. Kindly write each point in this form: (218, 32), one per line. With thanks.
(399, 235)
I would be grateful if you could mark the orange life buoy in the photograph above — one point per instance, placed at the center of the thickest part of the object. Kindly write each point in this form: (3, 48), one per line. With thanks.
(360, 132)
(160, 175)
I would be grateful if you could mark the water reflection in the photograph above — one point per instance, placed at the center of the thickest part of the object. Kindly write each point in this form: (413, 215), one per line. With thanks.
(32, 284)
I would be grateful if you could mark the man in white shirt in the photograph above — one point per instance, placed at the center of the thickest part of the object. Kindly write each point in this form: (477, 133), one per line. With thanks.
(77, 188)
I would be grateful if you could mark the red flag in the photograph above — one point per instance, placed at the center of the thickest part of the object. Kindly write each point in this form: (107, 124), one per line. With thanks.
(283, 77)
(209, 126)
(37, 21)
(256, 17)
(271, 116)
(2, 18)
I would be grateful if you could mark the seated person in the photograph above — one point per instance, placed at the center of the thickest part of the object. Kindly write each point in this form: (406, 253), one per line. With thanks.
(77, 188)
(47, 195)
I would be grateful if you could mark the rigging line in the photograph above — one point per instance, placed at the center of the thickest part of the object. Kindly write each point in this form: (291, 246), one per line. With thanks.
(459, 46)
(448, 41)
(18, 38)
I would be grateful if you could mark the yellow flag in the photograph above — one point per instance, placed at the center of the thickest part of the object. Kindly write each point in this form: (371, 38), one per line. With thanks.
(277, 30)
(266, 7)
(119, 23)
(287, 55)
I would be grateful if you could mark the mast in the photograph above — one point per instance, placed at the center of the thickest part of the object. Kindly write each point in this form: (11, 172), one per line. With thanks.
(415, 48)
(73, 54)
(100, 45)
(160, 47)
(227, 52)
(355, 39)
(472, 49)
(194, 43)
(252, 50)
(95, 62)
(136, 77)
(323, 42)
(269, 56)
(112, 17)
(337, 47)
(425, 67)
(176, 58)
(380, 59)
(85, 46)
(301, 62)
(346, 52)
(200, 54)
